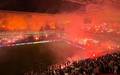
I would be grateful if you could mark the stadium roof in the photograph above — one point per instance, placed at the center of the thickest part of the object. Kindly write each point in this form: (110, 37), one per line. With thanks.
(44, 6)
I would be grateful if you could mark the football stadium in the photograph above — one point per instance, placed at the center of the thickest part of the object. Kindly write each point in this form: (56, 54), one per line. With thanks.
(60, 37)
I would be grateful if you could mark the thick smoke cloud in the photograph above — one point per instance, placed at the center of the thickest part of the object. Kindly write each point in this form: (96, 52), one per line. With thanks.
(74, 24)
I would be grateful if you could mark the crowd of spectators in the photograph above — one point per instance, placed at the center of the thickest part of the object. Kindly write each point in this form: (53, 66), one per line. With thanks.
(108, 64)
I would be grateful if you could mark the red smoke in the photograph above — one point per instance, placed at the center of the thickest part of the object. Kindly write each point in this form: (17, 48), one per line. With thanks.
(99, 23)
